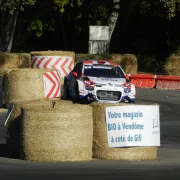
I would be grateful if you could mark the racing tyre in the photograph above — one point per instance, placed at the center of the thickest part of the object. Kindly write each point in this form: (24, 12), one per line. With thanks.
(127, 100)
(66, 90)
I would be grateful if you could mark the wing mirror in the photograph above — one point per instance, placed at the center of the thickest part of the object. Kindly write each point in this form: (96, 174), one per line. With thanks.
(127, 80)
(75, 74)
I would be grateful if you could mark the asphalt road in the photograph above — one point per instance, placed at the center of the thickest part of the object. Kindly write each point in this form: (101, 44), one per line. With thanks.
(167, 165)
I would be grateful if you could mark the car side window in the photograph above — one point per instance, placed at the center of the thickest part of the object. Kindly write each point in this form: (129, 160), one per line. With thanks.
(78, 68)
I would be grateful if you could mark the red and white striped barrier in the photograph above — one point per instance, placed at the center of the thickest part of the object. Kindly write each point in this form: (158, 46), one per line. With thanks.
(61, 63)
(51, 85)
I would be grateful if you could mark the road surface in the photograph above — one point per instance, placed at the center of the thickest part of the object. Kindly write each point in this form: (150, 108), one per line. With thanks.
(167, 165)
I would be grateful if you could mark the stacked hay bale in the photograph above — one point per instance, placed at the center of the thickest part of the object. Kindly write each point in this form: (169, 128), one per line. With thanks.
(101, 150)
(172, 66)
(23, 84)
(9, 61)
(53, 53)
(128, 62)
(62, 133)
(14, 122)
(49, 60)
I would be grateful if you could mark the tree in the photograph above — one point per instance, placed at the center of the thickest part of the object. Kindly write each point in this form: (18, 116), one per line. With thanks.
(113, 17)
(164, 8)
(172, 7)
(9, 11)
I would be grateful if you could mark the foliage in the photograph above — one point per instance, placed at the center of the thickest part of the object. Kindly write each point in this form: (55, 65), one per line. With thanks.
(162, 8)
(61, 4)
(12, 5)
(99, 12)
(39, 22)
(172, 6)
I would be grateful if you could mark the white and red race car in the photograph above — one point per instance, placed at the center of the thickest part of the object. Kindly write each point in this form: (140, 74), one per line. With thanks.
(98, 80)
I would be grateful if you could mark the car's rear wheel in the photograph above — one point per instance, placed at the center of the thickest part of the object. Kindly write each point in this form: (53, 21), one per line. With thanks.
(66, 90)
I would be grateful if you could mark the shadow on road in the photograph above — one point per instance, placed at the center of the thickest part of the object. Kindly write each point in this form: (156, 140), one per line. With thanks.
(3, 150)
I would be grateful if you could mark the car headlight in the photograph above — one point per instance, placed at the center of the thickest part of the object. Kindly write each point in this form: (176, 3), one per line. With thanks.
(89, 88)
(127, 90)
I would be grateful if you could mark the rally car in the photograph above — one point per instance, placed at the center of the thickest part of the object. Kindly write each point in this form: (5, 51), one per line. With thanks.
(98, 80)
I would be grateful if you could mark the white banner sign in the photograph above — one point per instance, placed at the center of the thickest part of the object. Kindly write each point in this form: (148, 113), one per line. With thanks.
(133, 125)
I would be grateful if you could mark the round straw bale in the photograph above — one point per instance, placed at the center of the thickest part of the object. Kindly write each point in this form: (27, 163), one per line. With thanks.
(14, 122)
(53, 53)
(62, 86)
(23, 84)
(14, 61)
(93, 56)
(101, 150)
(62, 61)
(62, 133)
(172, 66)
(127, 61)
(2, 110)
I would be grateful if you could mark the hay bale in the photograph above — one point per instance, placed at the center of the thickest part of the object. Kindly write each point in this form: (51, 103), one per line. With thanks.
(23, 84)
(62, 133)
(172, 66)
(62, 86)
(14, 122)
(101, 150)
(62, 61)
(10, 61)
(93, 56)
(2, 110)
(53, 53)
(127, 61)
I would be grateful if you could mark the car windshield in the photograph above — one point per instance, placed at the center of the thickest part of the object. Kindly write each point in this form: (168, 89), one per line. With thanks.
(98, 70)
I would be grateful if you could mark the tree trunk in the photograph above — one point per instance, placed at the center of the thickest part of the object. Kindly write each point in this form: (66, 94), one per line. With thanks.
(11, 37)
(113, 17)
(63, 33)
(8, 27)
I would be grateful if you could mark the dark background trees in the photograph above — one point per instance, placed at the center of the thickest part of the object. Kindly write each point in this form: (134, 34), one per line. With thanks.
(147, 28)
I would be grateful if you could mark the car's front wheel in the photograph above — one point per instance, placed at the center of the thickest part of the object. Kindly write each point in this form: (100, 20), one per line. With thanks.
(127, 100)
